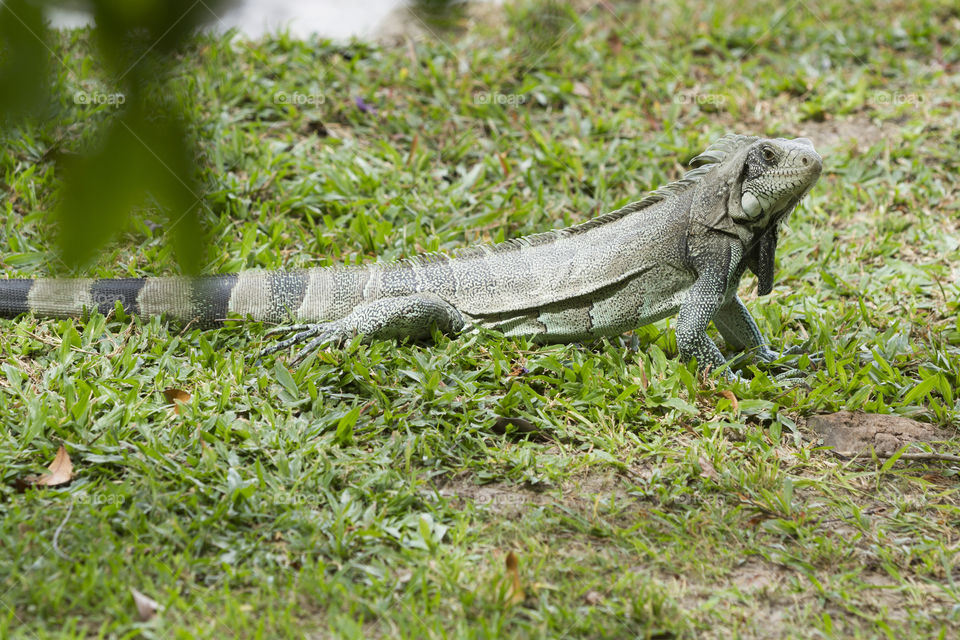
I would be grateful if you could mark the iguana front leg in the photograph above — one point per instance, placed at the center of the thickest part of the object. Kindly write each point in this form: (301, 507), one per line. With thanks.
(412, 316)
(699, 306)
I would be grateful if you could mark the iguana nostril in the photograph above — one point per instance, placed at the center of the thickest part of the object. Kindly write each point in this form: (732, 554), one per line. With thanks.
(804, 161)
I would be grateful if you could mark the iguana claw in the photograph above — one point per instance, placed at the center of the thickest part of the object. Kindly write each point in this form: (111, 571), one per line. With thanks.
(325, 332)
(768, 356)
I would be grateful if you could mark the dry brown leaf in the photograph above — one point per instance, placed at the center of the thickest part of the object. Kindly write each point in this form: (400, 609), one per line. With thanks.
(592, 598)
(518, 369)
(726, 393)
(513, 570)
(580, 89)
(147, 607)
(504, 164)
(644, 383)
(707, 469)
(61, 471)
(175, 397)
(615, 43)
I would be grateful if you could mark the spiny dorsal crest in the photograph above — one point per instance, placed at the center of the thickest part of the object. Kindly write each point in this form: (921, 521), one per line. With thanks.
(714, 154)
(721, 148)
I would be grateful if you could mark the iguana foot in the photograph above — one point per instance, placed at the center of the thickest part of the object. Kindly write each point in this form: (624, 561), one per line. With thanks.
(790, 377)
(333, 333)
(773, 361)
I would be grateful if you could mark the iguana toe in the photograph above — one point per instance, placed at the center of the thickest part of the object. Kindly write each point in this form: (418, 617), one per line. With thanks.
(791, 377)
(323, 332)
(288, 328)
(327, 337)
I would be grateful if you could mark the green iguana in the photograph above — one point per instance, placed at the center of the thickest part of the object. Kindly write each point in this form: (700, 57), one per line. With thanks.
(681, 249)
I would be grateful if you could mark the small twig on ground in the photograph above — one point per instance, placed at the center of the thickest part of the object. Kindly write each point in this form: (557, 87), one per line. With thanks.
(926, 455)
(56, 344)
(56, 535)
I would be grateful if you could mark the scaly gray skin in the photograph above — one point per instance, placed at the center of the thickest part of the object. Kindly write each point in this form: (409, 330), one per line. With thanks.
(682, 250)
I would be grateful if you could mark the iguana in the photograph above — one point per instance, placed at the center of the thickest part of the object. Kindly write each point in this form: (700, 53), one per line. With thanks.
(680, 249)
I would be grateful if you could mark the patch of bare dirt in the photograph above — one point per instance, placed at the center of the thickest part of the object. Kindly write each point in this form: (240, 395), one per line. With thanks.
(582, 493)
(770, 599)
(836, 133)
(755, 575)
(501, 498)
(852, 433)
(588, 486)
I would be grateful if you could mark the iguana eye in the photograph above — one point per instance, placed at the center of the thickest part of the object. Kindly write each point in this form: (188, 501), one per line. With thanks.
(768, 154)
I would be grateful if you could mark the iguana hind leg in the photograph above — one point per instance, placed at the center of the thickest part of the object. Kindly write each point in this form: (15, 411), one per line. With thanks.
(412, 316)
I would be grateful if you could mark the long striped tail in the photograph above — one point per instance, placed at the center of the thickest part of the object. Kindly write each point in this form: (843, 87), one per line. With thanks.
(270, 296)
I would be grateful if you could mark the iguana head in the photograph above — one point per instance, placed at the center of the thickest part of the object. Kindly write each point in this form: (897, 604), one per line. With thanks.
(776, 174)
(760, 181)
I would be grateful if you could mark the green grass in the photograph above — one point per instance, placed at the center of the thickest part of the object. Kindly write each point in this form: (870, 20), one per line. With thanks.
(373, 492)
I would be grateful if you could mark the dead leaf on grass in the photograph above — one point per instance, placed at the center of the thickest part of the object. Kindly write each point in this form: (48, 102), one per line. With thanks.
(615, 43)
(644, 383)
(756, 520)
(707, 469)
(592, 598)
(147, 607)
(726, 393)
(61, 471)
(513, 571)
(504, 165)
(518, 369)
(175, 397)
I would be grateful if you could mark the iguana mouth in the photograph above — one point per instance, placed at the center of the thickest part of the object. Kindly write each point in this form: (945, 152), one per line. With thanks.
(799, 171)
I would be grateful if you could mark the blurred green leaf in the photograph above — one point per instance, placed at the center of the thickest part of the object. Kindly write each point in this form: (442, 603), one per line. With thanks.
(24, 58)
(140, 160)
(145, 156)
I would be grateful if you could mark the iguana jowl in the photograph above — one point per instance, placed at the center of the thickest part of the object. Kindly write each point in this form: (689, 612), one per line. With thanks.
(681, 249)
